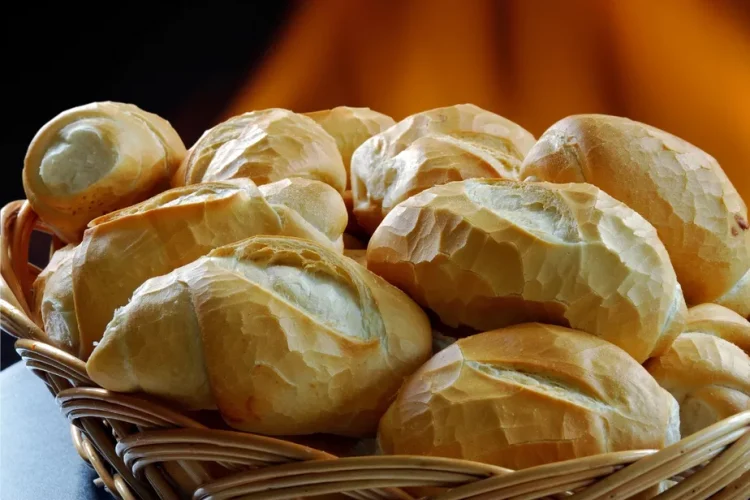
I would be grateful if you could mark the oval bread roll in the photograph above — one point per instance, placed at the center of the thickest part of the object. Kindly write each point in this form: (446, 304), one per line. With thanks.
(309, 202)
(528, 395)
(53, 297)
(90, 160)
(123, 249)
(488, 253)
(678, 188)
(429, 148)
(284, 336)
(350, 127)
(717, 320)
(709, 377)
(264, 146)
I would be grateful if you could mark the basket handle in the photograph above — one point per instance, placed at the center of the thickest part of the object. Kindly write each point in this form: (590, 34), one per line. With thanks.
(18, 221)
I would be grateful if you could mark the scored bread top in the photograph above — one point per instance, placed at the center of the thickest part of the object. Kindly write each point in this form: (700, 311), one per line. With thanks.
(283, 335)
(264, 146)
(95, 158)
(526, 395)
(123, 249)
(487, 253)
(680, 189)
(429, 148)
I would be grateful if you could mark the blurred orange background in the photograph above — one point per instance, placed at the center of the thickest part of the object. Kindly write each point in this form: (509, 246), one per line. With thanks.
(680, 65)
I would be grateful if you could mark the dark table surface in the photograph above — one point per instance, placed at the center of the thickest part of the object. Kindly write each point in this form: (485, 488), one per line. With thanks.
(37, 457)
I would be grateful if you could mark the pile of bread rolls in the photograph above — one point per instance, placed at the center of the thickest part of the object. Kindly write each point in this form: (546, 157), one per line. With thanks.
(447, 283)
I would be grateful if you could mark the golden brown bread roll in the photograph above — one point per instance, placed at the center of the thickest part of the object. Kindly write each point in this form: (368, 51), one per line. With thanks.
(488, 253)
(53, 299)
(312, 202)
(717, 320)
(677, 187)
(90, 160)
(528, 395)
(429, 148)
(282, 335)
(264, 146)
(350, 127)
(123, 249)
(709, 377)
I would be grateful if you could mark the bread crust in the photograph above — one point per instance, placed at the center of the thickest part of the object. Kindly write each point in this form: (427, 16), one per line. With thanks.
(283, 335)
(527, 395)
(488, 253)
(350, 127)
(708, 376)
(430, 148)
(125, 248)
(264, 146)
(680, 189)
(90, 160)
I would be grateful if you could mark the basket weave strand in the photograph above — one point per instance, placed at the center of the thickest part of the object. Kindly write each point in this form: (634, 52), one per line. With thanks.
(145, 449)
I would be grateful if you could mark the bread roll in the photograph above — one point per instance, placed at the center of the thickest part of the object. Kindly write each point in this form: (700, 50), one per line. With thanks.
(717, 320)
(350, 127)
(430, 148)
(528, 395)
(54, 303)
(264, 146)
(284, 336)
(709, 377)
(310, 202)
(93, 159)
(677, 187)
(488, 253)
(123, 249)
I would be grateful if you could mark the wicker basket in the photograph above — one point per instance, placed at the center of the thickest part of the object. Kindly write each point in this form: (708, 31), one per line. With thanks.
(141, 448)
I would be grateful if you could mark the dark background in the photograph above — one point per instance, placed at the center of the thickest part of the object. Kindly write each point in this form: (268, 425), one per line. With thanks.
(182, 63)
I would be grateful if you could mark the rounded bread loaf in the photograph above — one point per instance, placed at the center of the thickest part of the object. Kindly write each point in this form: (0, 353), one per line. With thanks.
(283, 335)
(680, 189)
(430, 148)
(528, 395)
(708, 376)
(125, 248)
(488, 253)
(350, 127)
(309, 202)
(53, 301)
(717, 320)
(264, 146)
(90, 160)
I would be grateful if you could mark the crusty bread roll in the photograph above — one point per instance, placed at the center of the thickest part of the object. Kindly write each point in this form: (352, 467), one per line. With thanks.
(264, 146)
(488, 253)
(528, 395)
(677, 187)
(54, 303)
(125, 248)
(309, 202)
(93, 159)
(429, 148)
(717, 320)
(350, 127)
(709, 377)
(283, 335)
